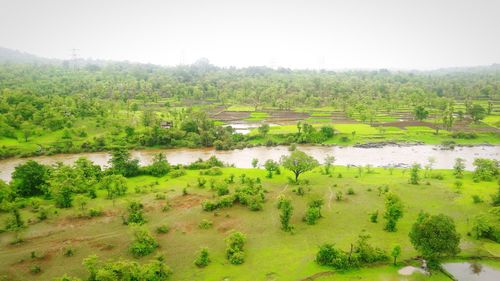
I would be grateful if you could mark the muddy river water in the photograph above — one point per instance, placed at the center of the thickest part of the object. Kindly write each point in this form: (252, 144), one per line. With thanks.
(401, 156)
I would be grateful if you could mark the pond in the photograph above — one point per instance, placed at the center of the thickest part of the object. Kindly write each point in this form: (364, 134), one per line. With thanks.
(472, 271)
(400, 156)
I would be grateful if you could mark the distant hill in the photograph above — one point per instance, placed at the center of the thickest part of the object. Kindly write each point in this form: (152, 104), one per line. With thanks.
(15, 56)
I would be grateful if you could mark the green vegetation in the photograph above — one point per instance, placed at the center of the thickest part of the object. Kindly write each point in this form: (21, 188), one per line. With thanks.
(243, 224)
(47, 109)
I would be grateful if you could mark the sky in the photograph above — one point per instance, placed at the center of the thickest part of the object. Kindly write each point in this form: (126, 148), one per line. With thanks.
(314, 34)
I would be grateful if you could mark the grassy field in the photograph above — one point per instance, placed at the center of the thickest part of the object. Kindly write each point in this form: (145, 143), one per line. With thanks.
(271, 254)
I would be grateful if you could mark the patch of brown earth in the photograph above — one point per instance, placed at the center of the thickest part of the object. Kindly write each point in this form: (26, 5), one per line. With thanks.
(231, 115)
(227, 225)
(187, 201)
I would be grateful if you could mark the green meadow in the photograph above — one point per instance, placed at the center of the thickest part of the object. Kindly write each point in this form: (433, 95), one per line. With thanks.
(270, 253)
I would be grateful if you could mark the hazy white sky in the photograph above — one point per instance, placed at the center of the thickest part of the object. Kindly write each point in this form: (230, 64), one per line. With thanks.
(335, 34)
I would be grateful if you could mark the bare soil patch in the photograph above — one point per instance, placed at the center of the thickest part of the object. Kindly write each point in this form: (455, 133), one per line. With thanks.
(187, 201)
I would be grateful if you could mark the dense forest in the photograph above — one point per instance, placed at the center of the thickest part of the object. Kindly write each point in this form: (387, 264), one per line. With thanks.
(71, 106)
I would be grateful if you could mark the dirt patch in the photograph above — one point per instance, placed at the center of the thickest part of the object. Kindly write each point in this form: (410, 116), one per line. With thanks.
(187, 201)
(231, 115)
(404, 124)
(227, 225)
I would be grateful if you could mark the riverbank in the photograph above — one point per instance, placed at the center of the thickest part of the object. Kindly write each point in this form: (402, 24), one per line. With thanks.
(401, 156)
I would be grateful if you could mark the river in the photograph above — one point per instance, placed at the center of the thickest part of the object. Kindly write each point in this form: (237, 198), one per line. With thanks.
(378, 157)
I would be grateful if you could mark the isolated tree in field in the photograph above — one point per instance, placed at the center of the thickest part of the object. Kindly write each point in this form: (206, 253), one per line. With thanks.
(329, 160)
(143, 244)
(271, 166)
(459, 168)
(395, 253)
(15, 223)
(477, 113)
(285, 205)
(415, 173)
(30, 179)
(298, 162)
(255, 162)
(421, 113)
(393, 211)
(435, 237)
(234, 248)
(313, 212)
(264, 129)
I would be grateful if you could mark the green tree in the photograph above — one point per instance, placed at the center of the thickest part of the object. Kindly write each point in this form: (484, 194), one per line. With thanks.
(255, 162)
(30, 179)
(263, 129)
(395, 253)
(115, 185)
(203, 258)
(415, 173)
(421, 113)
(459, 168)
(477, 113)
(329, 160)
(486, 169)
(121, 163)
(435, 237)
(285, 205)
(235, 247)
(393, 211)
(160, 165)
(271, 166)
(15, 223)
(144, 243)
(298, 162)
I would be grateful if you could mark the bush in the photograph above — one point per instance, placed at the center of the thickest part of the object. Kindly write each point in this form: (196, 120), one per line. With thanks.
(476, 199)
(312, 215)
(205, 224)
(95, 212)
(144, 244)
(486, 169)
(203, 259)
(482, 227)
(214, 171)
(374, 217)
(162, 229)
(350, 191)
(135, 213)
(177, 173)
(234, 248)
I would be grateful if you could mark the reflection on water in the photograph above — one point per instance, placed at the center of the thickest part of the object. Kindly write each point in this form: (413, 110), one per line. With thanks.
(401, 156)
(472, 271)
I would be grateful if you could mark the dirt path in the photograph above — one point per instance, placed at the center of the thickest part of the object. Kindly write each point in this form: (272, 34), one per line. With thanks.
(317, 275)
(282, 191)
(330, 198)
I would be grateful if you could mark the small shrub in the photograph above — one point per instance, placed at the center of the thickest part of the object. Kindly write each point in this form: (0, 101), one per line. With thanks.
(339, 195)
(476, 199)
(350, 191)
(94, 212)
(374, 217)
(203, 258)
(68, 252)
(144, 244)
(160, 196)
(177, 173)
(205, 224)
(162, 229)
(35, 269)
